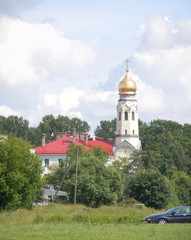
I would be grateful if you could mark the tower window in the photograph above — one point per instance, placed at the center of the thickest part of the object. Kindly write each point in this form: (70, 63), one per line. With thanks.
(126, 115)
(119, 116)
(46, 162)
(133, 115)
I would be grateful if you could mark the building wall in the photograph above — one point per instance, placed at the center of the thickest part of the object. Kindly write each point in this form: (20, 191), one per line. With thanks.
(50, 159)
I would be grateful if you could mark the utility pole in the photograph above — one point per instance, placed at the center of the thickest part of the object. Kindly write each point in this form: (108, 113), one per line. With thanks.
(58, 189)
(76, 176)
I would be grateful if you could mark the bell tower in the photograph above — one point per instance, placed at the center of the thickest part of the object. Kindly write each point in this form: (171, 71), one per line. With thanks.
(127, 129)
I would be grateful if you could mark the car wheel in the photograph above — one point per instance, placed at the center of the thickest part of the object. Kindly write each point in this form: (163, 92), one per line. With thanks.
(162, 221)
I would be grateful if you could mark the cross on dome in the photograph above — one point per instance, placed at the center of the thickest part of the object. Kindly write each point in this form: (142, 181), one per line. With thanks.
(127, 85)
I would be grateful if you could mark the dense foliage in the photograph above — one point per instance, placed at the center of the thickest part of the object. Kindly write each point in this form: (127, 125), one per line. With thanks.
(166, 151)
(106, 129)
(20, 174)
(50, 125)
(165, 157)
(98, 184)
(150, 187)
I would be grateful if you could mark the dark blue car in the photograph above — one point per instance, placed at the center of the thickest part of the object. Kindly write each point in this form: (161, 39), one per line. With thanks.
(181, 214)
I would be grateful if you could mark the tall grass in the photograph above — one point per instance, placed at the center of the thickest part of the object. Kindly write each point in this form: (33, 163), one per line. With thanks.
(76, 214)
(74, 222)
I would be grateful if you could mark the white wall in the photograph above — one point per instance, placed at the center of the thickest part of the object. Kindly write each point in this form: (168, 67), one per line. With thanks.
(53, 159)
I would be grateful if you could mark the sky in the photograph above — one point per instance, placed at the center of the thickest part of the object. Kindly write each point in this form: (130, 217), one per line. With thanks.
(68, 57)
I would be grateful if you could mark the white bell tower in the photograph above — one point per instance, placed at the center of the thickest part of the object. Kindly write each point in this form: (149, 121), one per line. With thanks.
(127, 129)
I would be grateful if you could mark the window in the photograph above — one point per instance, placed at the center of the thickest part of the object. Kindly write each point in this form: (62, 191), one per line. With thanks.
(46, 162)
(126, 115)
(125, 131)
(133, 132)
(60, 161)
(133, 115)
(119, 116)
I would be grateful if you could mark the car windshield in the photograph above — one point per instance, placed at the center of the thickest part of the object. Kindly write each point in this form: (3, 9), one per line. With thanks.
(171, 210)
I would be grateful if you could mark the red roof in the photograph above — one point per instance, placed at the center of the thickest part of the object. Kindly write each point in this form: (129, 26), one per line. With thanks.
(60, 146)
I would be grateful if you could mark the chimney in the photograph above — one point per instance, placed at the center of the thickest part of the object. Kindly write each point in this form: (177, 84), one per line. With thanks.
(82, 136)
(43, 139)
(63, 134)
(74, 135)
(110, 139)
(86, 138)
(77, 136)
(58, 135)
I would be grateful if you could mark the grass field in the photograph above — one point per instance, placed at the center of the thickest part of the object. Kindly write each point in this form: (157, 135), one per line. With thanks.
(57, 222)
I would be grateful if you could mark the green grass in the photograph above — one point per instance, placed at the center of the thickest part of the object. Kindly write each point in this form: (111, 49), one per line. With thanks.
(56, 222)
(96, 232)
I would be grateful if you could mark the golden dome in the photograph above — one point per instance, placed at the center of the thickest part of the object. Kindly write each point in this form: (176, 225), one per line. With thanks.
(127, 85)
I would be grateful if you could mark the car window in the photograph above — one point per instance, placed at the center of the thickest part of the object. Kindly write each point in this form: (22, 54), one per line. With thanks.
(179, 210)
(188, 210)
(183, 210)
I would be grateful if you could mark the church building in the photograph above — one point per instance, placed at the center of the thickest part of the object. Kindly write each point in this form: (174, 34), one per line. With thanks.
(126, 135)
(127, 128)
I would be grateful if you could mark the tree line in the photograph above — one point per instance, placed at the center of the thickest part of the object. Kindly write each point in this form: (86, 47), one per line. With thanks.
(159, 175)
(162, 169)
(50, 125)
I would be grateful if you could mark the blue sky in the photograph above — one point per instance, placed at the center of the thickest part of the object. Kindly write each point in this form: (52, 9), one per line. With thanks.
(67, 57)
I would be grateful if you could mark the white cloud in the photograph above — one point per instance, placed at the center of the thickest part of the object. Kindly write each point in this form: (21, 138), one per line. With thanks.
(158, 32)
(64, 101)
(150, 99)
(163, 64)
(7, 111)
(68, 76)
(30, 53)
(101, 96)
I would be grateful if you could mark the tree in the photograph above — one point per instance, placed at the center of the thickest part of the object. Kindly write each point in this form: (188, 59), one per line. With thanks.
(182, 185)
(14, 126)
(51, 125)
(79, 125)
(148, 159)
(106, 129)
(172, 152)
(20, 174)
(98, 184)
(171, 140)
(47, 126)
(150, 188)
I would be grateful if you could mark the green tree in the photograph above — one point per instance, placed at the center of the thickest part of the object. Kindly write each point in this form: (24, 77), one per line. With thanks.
(106, 129)
(148, 159)
(79, 125)
(63, 123)
(98, 184)
(182, 185)
(14, 126)
(33, 136)
(51, 125)
(150, 188)
(47, 126)
(173, 153)
(20, 174)
(171, 140)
